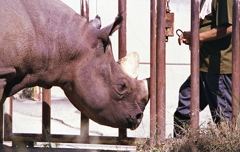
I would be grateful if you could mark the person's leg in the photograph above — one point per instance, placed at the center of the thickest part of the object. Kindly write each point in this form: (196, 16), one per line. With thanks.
(219, 96)
(182, 113)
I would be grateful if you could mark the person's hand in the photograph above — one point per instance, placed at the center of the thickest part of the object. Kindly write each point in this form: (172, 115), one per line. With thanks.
(185, 38)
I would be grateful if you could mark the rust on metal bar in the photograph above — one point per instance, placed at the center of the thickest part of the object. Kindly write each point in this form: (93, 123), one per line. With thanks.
(122, 47)
(161, 70)
(153, 92)
(236, 61)
(46, 111)
(194, 64)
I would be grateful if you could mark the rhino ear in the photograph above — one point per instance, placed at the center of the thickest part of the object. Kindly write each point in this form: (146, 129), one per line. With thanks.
(130, 64)
(110, 29)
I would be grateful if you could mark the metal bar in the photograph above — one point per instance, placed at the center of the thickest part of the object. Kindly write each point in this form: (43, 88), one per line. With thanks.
(1, 124)
(87, 9)
(8, 118)
(166, 63)
(194, 64)
(46, 112)
(84, 9)
(84, 119)
(153, 101)
(122, 36)
(84, 127)
(36, 93)
(178, 64)
(161, 70)
(11, 105)
(82, 13)
(236, 61)
(74, 139)
(122, 47)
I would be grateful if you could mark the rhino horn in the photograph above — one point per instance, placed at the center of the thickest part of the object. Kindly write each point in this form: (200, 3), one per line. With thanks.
(110, 29)
(96, 22)
(130, 64)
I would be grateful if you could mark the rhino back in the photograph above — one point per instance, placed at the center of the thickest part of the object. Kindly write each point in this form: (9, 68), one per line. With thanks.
(37, 38)
(35, 29)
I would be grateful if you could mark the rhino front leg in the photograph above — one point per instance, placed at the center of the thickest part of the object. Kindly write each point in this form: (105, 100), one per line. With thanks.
(6, 74)
(2, 86)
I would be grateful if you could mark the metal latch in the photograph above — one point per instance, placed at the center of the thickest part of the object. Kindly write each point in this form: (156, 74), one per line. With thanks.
(169, 23)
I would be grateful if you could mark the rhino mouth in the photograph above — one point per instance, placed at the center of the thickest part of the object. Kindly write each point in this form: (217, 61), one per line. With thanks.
(134, 122)
(133, 126)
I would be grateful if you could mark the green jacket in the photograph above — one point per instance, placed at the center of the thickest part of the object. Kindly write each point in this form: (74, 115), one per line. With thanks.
(216, 55)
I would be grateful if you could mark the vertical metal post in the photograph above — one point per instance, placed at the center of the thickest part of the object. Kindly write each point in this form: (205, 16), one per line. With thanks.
(84, 8)
(46, 112)
(195, 64)
(161, 70)
(1, 124)
(87, 9)
(84, 128)
(122, 46)
(84, 119)
(236, 61)
(36, 93)
(122, 36)
(153, 92)
(8, 118)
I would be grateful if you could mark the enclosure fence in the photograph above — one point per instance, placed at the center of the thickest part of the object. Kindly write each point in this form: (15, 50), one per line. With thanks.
(159, 25)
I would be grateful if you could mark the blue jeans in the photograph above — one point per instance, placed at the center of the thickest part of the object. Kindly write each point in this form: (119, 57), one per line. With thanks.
(215, 91)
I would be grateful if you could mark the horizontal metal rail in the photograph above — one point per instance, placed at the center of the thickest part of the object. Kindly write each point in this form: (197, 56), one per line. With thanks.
(147, 63)
(21, 137)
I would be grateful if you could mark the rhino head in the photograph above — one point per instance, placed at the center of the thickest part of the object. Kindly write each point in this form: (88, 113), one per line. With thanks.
(104, 89)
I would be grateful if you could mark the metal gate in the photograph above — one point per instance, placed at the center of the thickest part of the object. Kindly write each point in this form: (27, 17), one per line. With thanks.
(158, 64)
(158, 82)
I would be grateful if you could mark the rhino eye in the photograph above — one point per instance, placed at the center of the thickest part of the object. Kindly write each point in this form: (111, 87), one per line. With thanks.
(121, 89)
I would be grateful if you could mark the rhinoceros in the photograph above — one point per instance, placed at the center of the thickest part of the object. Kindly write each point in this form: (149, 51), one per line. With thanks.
(45, 43)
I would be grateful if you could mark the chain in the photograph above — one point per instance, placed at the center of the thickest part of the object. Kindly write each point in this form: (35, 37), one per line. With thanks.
(168, 7)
